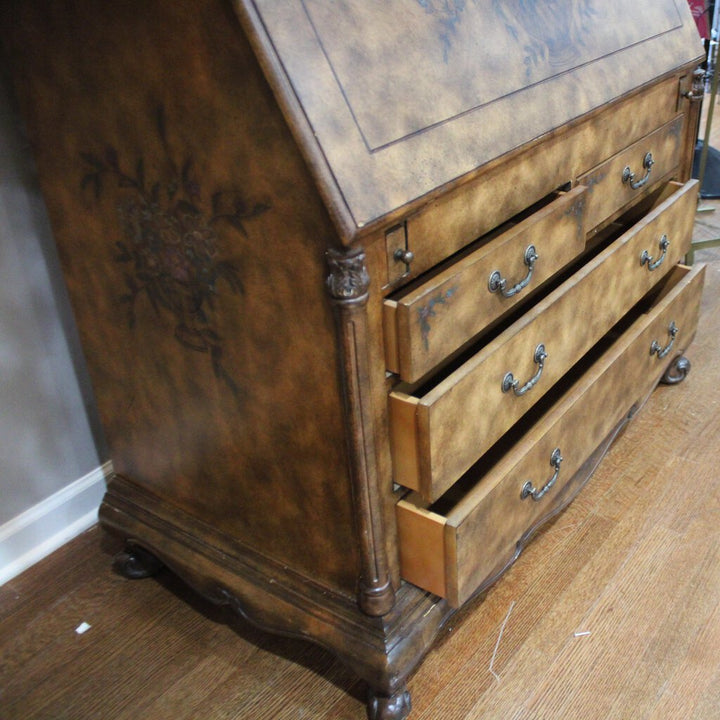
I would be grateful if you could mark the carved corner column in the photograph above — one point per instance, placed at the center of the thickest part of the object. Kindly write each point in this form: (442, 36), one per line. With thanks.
(691, 92)
(348, 284)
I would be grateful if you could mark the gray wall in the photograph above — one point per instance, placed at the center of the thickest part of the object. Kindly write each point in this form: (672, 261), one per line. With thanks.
(48, 431)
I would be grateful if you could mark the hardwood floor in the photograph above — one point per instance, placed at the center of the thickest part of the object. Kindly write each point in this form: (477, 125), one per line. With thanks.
(612, 612)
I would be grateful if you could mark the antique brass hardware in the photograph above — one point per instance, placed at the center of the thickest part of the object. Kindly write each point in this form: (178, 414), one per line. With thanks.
(398, 255)
(528, 489)
(628, 175)
(697, 91)
(645, 256)
(661, 352)
(405, 256)
(510, 383)
(498, 282)
(693, 96)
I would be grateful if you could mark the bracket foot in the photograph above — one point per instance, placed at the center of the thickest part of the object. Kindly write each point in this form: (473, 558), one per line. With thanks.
(394, 707)
(135, 563)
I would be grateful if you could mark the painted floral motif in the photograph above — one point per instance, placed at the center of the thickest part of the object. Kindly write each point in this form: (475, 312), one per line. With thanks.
(170, 248)
(428, 311)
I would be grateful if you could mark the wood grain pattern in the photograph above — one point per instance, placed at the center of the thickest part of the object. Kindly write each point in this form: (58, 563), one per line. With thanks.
(608, 194)
(449, 222)
(210, 379)
(376, 179)
(348, 284)
(483, 529)
(201, 173)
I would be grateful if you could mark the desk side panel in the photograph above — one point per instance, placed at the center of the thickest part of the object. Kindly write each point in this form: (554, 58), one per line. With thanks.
(193, 246)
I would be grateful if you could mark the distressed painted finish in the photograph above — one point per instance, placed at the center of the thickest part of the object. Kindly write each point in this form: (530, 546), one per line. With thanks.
(229, 201)
(189, 347)
(451, 104)
(460, 417)
(170, 246)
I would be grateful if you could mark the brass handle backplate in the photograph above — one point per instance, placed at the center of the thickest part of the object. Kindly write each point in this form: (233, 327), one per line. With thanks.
(498, 283)
(628, 175)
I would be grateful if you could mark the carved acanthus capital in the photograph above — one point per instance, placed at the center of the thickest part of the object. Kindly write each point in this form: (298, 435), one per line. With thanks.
(697, 91)
(348, 280)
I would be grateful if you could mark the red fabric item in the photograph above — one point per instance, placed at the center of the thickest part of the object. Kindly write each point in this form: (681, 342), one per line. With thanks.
(700, 13)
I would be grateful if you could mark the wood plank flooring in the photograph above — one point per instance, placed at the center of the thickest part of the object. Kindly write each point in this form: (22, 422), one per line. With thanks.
(612, 612)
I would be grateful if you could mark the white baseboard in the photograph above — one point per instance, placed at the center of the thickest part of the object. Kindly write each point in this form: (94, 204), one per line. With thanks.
(43, 528)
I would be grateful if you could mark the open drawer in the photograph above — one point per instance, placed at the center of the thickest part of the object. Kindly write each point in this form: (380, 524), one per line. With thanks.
(427, 323)
(462, 542)
(440, 428)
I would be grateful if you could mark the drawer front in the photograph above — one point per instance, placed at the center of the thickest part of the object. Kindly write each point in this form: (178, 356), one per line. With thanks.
(454, 554)
(436, 436)
(632, 173)
(433, 321)
(454, 220)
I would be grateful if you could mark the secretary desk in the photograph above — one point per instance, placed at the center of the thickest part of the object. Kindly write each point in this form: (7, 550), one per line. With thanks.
(366, 289)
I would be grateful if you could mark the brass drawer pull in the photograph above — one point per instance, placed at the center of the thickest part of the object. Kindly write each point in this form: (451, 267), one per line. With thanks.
(646, 257)
(498, 282)
(528, 490)
(628, 175)
(661, 352)
(693, 96)
(510, 383)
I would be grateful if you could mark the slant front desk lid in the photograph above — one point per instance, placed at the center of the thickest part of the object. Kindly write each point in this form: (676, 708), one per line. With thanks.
(405, 96)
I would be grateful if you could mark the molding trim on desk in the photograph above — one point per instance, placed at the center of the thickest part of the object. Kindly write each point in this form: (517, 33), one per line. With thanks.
(43, 528)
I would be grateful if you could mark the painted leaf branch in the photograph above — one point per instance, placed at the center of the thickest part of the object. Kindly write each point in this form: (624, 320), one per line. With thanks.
(170, 246)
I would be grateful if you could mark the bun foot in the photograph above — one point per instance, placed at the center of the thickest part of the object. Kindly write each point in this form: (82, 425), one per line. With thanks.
(394, 707)
(677, 371)
(135, 563)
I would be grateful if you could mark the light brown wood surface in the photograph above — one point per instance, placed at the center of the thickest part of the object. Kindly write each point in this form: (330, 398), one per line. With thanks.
(450, 221)
(346, 61)
(459, 418)
(634, 560)
(460, 296)
(484, 526)
(608, 193)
